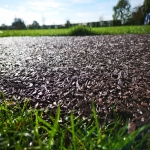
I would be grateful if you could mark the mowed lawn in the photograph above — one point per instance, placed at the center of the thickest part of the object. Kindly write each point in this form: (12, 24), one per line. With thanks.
(82, 30)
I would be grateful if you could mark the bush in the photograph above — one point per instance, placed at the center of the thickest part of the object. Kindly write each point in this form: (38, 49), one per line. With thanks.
(81, 30)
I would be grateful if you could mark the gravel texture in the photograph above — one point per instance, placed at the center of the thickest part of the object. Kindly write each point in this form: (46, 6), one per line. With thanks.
(113, 71)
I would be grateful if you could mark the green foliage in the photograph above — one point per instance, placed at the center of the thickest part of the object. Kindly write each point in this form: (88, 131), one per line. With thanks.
(146, 7)
(138, 15)
(122, 11)
(116, 22)
(67, 24)
(34, 25)
(18, 24)
(81, 31)
(22, 127)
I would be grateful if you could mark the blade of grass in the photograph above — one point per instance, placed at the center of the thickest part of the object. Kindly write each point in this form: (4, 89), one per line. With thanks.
(73, 131)
(54, 128)
(37, 128)
(96, 122)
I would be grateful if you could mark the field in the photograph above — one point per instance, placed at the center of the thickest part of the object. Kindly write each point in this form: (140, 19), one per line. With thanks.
(80, 31)
(75, 92)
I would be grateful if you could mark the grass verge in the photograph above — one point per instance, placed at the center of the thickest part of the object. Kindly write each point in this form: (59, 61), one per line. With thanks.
(23, 128)
(79, 31)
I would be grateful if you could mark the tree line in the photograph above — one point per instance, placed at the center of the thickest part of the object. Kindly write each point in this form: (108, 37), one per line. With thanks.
(137, 16)
(18, 24)
(122, 16)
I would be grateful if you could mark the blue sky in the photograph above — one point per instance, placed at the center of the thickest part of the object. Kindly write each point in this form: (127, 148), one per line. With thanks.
(58, 11)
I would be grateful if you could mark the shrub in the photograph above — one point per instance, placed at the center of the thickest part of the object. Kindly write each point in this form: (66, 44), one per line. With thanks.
(81, 30)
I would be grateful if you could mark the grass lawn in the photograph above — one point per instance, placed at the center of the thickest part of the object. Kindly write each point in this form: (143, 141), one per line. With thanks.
(79, 30)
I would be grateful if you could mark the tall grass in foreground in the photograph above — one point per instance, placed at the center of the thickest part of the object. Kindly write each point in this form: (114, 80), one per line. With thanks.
(23, 128)
(79, 31)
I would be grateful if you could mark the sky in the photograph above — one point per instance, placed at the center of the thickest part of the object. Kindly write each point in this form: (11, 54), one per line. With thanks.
(54, 12)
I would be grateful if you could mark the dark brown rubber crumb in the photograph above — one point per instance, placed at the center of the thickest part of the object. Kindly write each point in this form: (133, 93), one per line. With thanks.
(112, 71)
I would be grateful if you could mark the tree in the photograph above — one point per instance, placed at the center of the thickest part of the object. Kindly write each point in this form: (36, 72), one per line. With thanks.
(138, 15)
(3, 27)
(122, 11)
(67, 24)
(44, 26)
(146, 7)
(18, 24)
(35, 25)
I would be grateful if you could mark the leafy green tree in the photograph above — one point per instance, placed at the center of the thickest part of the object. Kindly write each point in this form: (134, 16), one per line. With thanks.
(44, 26)
(122, 11)
(18, 24)
(67, 24)
(146, 5)
(36, 25)
(3, 27)
(138, 15)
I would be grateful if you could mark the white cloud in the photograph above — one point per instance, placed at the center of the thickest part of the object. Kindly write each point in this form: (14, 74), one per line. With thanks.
(40, 9)
(58, 11)
(84, 17)
(26, 16)
(85, 14)
(106, 11)
(44, 4)
(7, 16)
(135, 3)
(21, 9)
(81, 1)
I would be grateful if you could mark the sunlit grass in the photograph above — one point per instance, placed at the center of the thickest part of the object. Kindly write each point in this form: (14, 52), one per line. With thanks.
(123, 30)
(79, 31)
(23, 127)
(48, 32)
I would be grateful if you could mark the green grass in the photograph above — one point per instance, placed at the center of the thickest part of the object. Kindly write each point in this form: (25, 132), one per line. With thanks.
(48, 32)
(23, 127)
(79, 31)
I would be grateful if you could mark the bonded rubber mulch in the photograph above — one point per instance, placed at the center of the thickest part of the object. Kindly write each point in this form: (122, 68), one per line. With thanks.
(113, 71)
